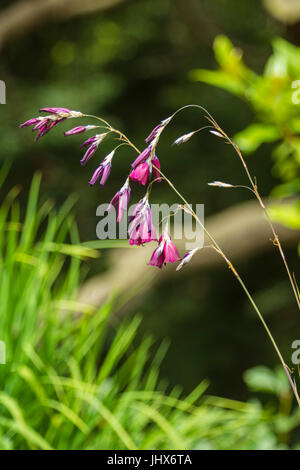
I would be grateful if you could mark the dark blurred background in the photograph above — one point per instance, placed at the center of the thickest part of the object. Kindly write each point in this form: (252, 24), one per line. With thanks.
(129, 62)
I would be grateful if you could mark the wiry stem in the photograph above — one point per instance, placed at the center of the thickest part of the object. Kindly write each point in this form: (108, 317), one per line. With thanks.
(215, 245)
(253, 183)
(230, 265)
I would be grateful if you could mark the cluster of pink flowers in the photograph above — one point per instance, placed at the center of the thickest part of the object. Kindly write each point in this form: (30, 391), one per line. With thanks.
(145, 168)
(44, 124)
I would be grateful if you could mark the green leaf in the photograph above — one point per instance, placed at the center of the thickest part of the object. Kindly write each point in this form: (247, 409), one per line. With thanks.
(256, 134)
(286, 214)
(262, 379)
(220, 79)
(105, 244)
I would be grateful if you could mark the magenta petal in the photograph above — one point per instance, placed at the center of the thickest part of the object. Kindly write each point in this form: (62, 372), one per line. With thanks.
(170, 252)
(153, 134)
(88, 142)
(43, 131)
(55, 110)
(156, 173)
(114, 201)
(157, 258)
(105, 174)
(140, 173)
(30, 122)
(142, 157)
(75, 130)
(96, 175)
(136, 210)
(123, 204)
(88, 154)
(41, 123)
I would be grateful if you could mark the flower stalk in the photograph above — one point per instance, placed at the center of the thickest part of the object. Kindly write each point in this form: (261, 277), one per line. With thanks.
(146, 169)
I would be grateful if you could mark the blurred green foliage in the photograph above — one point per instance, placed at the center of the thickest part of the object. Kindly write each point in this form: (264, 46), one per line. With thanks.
(272, 96)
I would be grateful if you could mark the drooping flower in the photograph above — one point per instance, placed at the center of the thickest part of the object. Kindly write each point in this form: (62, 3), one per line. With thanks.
(142, 172)
(88, 142)
(166, 252)
(43, 124)
(187, 258)
(142, 156)
(78, 130)
(122, 199)
(138, 208)
(103, 170)
(62, 112)
(92, 143)
(141, 229)
(155, 133)
(31, 122)
(156, 168)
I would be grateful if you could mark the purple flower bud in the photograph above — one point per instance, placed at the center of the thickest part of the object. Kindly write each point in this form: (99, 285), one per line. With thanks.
(41, 123)
(41, 133)
(156, 173)
(153, 133)
(114, 201)
(158, 130)
(46, 128)
(122, 197)
(78, 130)
(30, 122)
(88, 142)
(75, 130)
(123, 203)
(103, 169)
(142, 157)
(55, 110)
(92, 143)
(96, 175)
(105, 174)
(88, 154)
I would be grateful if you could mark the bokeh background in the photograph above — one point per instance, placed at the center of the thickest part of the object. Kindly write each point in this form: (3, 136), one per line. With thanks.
(135, 63)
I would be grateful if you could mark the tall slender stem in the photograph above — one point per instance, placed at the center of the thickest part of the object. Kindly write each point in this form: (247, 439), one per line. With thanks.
(215, 245)
(230, 265)
(276, 239)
